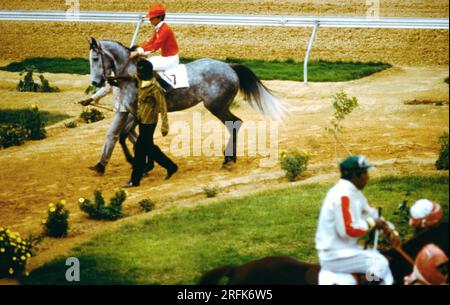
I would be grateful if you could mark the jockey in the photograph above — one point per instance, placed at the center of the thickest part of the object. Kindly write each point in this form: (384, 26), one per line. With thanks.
(429, 267)
(346, 216)
(163, 39)
(425, 214)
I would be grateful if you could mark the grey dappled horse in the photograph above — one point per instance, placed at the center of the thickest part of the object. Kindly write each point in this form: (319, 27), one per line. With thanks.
(212, 82)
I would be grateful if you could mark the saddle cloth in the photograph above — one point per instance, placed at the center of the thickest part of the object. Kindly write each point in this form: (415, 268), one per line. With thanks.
(176, 77)
(331, 278)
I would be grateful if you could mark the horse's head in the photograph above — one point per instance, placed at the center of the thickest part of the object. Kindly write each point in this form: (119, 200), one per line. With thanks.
(100, 63)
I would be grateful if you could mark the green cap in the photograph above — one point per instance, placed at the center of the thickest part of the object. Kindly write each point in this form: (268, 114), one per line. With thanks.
(355, 163)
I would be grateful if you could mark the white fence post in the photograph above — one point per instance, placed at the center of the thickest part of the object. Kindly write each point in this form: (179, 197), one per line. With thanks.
(308, 52)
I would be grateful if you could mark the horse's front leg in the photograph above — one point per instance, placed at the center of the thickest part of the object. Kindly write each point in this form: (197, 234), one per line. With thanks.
(130, 133)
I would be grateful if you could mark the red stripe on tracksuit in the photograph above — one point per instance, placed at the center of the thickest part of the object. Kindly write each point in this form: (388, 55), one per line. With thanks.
(349, 229)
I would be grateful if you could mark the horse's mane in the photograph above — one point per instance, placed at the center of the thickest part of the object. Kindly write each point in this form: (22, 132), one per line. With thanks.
(119, 43)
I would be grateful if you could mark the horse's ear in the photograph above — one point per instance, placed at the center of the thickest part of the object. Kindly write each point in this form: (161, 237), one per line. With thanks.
(93, 43)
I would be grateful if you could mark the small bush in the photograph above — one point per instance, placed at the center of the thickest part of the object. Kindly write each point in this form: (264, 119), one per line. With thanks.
(71, 124)
(294, 164)
(57, 222)
(28, 84)
(147, 205)
(31, 119)
(98, 210)
(91, 115)
(11, 135)
(442, 162)
(211, 191)
(14, 253)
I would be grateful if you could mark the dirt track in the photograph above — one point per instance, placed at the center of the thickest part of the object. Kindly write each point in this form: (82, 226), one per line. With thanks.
(400, 138)
(397, 46)
(391, 8)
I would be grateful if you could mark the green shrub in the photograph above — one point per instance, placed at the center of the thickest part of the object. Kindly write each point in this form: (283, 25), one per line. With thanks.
(91, 115)
(442, 162)
(11, 135)
(294, 164)
(147, 205)
(57, 222)
(28, 84)
(71, 124)
(211, 191)
(31, 119)
(14, 253)
(98, 210)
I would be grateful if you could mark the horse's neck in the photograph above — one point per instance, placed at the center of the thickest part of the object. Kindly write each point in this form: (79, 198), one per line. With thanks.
(122, 62)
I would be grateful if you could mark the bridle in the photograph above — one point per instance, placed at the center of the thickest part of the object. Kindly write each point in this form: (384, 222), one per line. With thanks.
(103, 54)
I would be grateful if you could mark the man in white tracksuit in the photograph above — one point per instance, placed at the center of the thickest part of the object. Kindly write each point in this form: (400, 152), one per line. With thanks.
(345, 217)
(123, 124)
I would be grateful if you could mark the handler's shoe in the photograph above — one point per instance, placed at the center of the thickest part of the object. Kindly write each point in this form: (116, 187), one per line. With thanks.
(171, 172)
(98, 168)
(130, 184)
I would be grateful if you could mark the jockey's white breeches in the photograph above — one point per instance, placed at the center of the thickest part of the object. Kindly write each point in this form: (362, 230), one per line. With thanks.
(161, 63)
(369, 262)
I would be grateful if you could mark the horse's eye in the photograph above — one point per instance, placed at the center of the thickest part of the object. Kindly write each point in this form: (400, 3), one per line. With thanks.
(95, 59)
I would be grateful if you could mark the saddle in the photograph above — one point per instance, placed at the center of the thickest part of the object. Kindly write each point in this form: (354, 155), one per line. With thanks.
(174, 78)
(164, 84)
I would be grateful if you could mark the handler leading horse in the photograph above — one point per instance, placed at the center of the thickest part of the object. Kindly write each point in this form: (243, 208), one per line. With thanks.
(212, 82)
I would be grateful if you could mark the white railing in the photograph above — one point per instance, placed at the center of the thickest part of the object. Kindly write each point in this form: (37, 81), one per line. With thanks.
(232, 20)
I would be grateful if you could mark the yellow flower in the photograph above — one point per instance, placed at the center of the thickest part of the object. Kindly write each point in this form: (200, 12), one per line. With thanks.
(52, 210)
(81, 200)
(1, 238)
(11, 270)
(44, 221)
(14, 258)
(28, 255)
(51, 205)
(63, 202)
(23, 258)
(19, 240)
(27, 273)
(33, 106)
(13, 244)
(2, 250)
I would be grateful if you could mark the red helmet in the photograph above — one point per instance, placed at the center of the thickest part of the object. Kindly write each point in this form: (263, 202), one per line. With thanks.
(425, 213)
(428, 261)
(156, 10)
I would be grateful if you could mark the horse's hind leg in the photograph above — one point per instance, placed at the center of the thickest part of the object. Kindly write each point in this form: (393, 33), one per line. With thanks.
(233, 124)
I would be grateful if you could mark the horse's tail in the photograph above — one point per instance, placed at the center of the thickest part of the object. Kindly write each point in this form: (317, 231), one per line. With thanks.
(259, 96)
(215, 275)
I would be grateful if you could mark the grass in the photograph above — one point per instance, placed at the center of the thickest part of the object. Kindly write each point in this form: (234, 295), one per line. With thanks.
(318, 71)
(177, 247)
(51, 65)
(13, 116)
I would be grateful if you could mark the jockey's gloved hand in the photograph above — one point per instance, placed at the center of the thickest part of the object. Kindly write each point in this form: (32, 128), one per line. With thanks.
(86, 102)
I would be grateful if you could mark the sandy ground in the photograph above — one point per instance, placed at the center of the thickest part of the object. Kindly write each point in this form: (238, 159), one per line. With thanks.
(399, 138)
(387, 8)
(20, 40)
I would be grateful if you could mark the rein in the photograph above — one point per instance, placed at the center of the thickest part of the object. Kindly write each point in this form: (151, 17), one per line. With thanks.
(102, 55)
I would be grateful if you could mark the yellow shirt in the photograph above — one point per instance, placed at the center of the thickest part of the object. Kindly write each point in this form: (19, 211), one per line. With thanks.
(151, 101)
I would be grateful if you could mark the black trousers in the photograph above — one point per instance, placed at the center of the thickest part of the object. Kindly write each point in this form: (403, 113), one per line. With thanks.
(146, 147)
